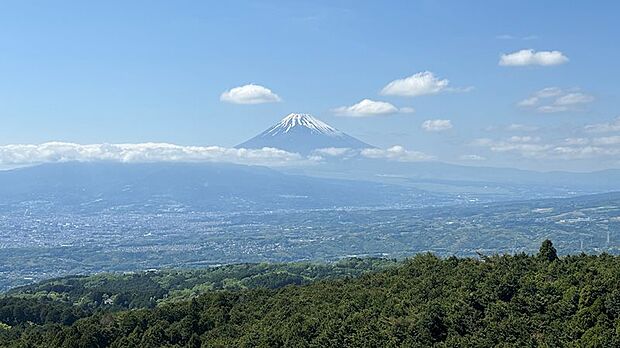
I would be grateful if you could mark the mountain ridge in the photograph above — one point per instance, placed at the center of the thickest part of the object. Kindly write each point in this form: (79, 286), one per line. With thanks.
(74, 186)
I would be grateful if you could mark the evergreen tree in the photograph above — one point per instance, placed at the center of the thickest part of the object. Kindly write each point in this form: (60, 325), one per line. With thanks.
(547, 251)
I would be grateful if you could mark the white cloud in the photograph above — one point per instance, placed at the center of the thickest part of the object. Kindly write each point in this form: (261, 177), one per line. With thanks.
(415, 85)
(145, 152)
(523, 139)
(513, 127)
(396, 153)
(531, 57)
(521, 127)
(584, 152)
(58, 152)
(531, 101)
(549, 92)
(566, 149)
(436, 125)
(524, 149)
(333, 151)
(554, 99)
(544, 93)
(574, 98)
(472, 158)
(576, 141)
(550, 109)
(613, 126)
(613, 140)
(367, 108)
(249, 94)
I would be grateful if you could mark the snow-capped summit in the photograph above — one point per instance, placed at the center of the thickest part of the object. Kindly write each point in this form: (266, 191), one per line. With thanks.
(303, 133)
(302, 120)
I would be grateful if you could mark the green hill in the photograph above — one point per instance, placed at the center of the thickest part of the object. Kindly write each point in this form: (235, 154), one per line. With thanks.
(506, 301)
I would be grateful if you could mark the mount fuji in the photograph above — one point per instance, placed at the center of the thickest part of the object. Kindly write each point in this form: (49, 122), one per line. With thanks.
(302, 133)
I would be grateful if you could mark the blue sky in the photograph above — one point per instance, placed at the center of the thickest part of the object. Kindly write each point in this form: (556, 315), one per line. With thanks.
(154, 71)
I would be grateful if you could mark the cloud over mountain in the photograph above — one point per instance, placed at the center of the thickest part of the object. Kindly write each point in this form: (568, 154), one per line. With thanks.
(59, 152)
(142, 153)
(396, 153)
(566, 149)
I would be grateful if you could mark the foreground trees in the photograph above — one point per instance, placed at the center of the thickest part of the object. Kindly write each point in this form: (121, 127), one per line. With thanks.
(504, 301)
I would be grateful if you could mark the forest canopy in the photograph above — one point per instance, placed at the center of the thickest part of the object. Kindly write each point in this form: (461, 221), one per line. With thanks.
(501, 300)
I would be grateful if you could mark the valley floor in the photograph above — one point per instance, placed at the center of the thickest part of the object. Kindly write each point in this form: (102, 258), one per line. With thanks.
(42, 245)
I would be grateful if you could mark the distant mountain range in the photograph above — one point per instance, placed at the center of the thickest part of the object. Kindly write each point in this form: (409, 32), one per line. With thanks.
(97, 186)
(446, 177)
(302, 133)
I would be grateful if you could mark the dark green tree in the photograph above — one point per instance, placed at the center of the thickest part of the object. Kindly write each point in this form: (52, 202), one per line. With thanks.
(547, 251)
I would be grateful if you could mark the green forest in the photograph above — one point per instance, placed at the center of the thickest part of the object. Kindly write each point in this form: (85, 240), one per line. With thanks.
(492, 301)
